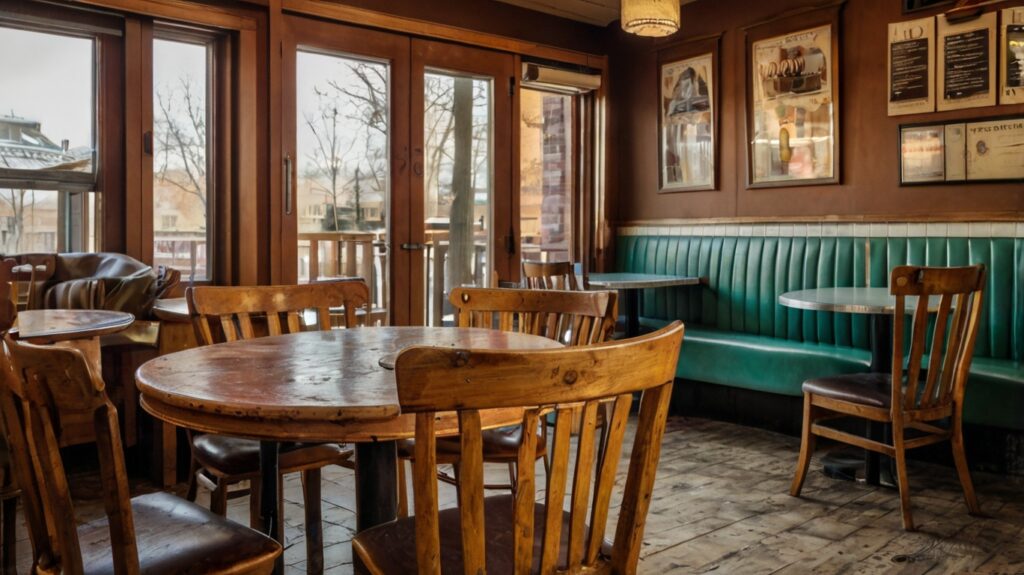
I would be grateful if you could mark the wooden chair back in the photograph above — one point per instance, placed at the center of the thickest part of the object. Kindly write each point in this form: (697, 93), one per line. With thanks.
(573, 318)
(550, 275)
(231, 310)
(566, 381)
(8, 294)
(951, 347)
(44, 383)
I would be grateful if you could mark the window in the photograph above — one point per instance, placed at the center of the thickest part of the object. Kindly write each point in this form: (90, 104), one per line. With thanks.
(181, 158)
(47, 141)
(546, 176)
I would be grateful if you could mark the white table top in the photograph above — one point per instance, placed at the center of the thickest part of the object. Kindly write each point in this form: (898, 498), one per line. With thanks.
(866, 300)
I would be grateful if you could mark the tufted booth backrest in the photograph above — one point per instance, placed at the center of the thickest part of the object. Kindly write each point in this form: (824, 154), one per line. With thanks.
(746, 275)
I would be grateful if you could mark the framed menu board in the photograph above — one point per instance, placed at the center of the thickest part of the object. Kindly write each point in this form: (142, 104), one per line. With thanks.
(983, 150)
(1011, 47)
(911, 68)
(994, 150)
(967, 56)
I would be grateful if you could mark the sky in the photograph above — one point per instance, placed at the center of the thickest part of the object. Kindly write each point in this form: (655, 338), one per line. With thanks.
(54, 86)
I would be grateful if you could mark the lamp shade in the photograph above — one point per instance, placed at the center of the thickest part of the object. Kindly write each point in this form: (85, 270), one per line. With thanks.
(650, 17)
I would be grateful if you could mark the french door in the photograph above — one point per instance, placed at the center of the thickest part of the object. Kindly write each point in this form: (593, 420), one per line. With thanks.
(398, 165)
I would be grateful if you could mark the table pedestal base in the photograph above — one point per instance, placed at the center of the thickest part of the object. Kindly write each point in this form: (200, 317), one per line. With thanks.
(376, 484)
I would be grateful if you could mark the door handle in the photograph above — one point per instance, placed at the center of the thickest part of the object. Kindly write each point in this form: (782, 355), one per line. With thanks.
(414, 246)
(288, 184)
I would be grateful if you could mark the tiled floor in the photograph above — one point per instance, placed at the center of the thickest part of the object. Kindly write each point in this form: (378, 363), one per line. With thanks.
(721, 505)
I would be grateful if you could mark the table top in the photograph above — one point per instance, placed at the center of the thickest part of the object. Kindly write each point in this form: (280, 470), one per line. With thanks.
(638, 281)
(865, 300)
(171, 309)
(311, 386)
(46, 326)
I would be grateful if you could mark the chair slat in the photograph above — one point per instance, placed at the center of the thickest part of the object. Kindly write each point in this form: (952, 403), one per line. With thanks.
(959, 321)
(274, 324)
(227, 325)
(556, 487)
(615, 430)
(920, 327)
(525, 495)
(471, 491)
(245, 328)
(428, 538)
(935, 354)
(581, 483)
(295, 321)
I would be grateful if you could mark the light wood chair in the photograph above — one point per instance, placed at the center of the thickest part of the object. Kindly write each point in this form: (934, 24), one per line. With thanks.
(515, 533)
(923, 397)
(154, 533)
(550, 275)
(236, 313)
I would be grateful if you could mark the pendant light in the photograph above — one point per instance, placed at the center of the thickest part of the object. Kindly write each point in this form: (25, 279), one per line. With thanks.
(650, 17)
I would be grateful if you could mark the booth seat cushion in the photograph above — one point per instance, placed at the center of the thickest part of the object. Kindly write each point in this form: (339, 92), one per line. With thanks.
(758, 362)
(995, 393)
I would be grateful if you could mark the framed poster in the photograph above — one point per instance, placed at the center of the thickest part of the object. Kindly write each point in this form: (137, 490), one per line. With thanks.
(922, 158)
(688, 117)
(911, 67)
(793, 103)
(916, 5)
(1011, 49)
(995, 150)
(967, 69)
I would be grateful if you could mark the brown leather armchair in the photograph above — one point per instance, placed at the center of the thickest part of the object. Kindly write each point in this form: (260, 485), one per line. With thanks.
(102, 280)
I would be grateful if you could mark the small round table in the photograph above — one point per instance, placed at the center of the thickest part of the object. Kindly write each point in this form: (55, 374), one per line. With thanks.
(631, 284)
(313, 386)
(880, 305)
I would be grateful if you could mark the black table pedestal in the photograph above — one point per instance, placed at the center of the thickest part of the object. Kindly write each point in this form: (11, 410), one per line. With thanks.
(269, 496)
(376, 483)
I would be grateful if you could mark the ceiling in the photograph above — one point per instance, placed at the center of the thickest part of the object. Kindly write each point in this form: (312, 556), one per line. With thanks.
(596, 12)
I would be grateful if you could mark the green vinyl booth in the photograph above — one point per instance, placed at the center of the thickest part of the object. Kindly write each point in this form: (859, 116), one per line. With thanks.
(737, 334)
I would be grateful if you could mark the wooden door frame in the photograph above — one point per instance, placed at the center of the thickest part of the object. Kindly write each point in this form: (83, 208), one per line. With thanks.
(431, 54)
(344, 40)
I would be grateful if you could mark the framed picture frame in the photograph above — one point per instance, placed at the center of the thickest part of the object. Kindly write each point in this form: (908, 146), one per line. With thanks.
(966, 72)
(793, 100)
(910, 6)
(982, 150)
(688, 136)
(1011, 56)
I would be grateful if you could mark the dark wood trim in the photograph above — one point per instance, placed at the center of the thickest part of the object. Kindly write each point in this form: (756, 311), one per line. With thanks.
(181, 11)
(836, 219)
(246, 206)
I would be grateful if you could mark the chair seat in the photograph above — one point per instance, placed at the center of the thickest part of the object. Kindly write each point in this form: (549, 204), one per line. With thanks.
(177, 536)
(498, 445)
(225, 455)
(870, 389)
(388, 548)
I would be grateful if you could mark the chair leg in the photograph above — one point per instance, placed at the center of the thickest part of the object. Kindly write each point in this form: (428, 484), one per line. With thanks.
(512, 475)
(901, 474)
(219, 499)
(9, 536)
(314, 525)
(957, 442)
(193, 483)
(403, 491)
(807, 440)
(254, 504)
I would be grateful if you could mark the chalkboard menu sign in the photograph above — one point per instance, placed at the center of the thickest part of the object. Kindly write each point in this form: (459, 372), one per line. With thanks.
(911, 68)
(1011, 44)
(967, 63)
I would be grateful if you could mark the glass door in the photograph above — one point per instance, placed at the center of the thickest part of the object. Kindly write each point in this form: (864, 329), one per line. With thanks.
(343, 132)
(461, 179)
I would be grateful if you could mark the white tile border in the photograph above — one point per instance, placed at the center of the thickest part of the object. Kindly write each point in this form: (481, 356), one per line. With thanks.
(842, 230)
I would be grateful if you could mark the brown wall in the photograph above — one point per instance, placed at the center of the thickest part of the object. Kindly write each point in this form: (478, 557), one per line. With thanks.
(868, 145)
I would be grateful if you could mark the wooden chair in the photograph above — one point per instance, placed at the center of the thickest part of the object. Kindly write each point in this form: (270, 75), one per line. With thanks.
(154, 533)
(550, 275)
(234, 313)
(572, 318)
(515, 533)
(9, 491)
(922, 398)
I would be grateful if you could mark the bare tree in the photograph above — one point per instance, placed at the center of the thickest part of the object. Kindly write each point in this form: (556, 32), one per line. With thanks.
(181, 133)
(20, 202)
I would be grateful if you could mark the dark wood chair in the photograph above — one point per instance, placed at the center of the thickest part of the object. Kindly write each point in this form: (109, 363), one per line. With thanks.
(219, 461)
(9, 491)
(515, 533)
(931, 384)
(154, 533)
(550, 275)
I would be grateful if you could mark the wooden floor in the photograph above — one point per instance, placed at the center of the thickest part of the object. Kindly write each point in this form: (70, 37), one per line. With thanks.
(721, 506)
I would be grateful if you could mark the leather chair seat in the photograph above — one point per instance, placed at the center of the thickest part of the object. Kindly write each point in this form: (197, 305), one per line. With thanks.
(389, 547)
(227, 455)
(499, 445)
(177, 536)
(870, 389)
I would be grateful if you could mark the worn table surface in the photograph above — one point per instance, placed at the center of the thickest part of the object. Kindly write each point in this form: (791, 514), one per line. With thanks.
(639, 281)
(312, 386)
(866, 300)
(46, 326)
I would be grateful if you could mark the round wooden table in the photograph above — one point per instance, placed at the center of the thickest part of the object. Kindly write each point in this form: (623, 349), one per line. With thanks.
(312, 386)
(631, 284)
